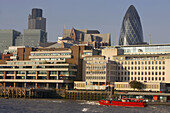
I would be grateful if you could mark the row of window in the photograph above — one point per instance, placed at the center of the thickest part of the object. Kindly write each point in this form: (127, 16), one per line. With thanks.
(96, 67)
(141, 73)
(141, 62)
(142, 78)
(39, 59)
(49, 54)
(95, 77)
(142, 68)
(95, 72)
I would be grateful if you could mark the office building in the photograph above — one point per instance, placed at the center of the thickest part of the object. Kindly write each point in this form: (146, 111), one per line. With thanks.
(8, 38)
(36, 20)
(33, 37)
(131, 31)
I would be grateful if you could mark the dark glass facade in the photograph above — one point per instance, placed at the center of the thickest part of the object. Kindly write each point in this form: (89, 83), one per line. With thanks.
(131, 31)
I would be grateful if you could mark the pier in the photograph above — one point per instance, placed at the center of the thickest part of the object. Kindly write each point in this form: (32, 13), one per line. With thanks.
(9, 92)
(86, 95)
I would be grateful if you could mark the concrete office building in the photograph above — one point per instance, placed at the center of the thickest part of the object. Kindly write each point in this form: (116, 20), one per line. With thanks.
(97, 73)
(8, 38)
(36, 21)
(44, 67)
(91, 37)
(145, 63)
(33, 37)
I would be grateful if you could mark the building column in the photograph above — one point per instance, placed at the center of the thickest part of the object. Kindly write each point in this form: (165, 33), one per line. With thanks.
(36, 75)
(56, 85)
(15, 74)
(36, 85)
(48, 75)
(47, 85)
(4, 74)
(14, 84)
(57, 75)
(25, 85)
(66, 86)
(4, 84)
(25, 75)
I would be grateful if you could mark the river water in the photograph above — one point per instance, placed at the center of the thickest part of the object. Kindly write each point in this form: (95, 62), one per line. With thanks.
(70, 106)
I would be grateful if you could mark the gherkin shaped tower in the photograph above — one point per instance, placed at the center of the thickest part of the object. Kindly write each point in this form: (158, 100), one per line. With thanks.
(131, 31)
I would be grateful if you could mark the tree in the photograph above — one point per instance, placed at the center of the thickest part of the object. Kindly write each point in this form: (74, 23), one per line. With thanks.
(136, 85)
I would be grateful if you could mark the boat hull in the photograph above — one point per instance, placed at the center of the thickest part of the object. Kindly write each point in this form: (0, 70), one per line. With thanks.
(119, 103)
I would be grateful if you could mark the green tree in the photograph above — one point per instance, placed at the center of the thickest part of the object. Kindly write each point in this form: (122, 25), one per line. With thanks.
(136, 85)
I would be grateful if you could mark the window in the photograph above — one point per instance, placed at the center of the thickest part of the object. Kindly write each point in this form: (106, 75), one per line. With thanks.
(145, 62)
(163, 73)
(149, 68)
(138, 73)
(155, 78)
(156, 68)
(163, 78)
(159, 62)
(145, 78)
(159, 78)
(152, 67)
(156, 73)
(159, 67)
(138, 68)
(163, 62)
(152, 62)
(138, 62)
(152, 73)
(142, 78)
(145, 73)
(163, 67)
(131, 73)
(131, 78)
(152, 78)
(159, 73)
(148, 78)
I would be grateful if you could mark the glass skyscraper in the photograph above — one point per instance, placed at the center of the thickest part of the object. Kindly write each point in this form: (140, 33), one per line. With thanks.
(131, 31)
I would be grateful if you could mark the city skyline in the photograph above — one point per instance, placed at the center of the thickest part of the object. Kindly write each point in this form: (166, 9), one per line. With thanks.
(101, 15)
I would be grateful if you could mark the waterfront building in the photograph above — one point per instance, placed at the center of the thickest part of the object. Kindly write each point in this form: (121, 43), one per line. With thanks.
(36, 21)
(145, 63)
(91, 37)
(98, 73)
(131, 31)
(44, 67)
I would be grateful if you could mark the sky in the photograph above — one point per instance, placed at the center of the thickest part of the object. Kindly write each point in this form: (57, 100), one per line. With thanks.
(103, 15)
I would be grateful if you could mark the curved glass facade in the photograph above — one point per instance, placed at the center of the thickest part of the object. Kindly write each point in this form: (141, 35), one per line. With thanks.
(131, 31)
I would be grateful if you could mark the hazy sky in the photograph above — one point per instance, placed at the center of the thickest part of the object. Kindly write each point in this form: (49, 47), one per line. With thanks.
(103, 15)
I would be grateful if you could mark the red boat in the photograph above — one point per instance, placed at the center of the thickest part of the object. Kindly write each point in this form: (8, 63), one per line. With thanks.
(124, 102)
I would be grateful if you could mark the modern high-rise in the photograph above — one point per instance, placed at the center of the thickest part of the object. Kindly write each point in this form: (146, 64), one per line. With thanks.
(8, 38)
(33, 37)
(36, 21)
(131, 31)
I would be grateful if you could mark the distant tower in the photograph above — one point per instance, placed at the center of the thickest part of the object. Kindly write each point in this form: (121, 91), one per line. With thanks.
(131, 30)
(36, 21)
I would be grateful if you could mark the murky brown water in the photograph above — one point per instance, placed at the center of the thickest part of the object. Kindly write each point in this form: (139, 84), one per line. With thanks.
(70, 106)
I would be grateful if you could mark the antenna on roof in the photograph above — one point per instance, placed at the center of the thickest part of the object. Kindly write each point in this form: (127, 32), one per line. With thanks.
(149, 38)
(64, 26)
(117, 39)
